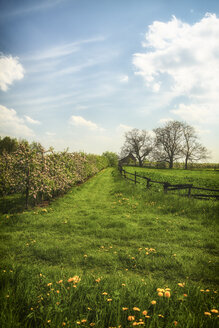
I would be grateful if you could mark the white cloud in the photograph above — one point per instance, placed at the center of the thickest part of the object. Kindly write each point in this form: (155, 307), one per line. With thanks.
(50, 134)
(30, 120)
(10, 70)
(121, 128)
(165, 120)
(124, 78)
(183, 60)
(12, 125)
(81, 122)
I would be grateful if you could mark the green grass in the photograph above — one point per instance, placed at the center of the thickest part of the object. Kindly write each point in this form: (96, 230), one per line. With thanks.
(120, 240)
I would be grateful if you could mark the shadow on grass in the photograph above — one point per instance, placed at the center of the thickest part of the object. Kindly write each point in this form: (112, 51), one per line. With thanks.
(12, 204)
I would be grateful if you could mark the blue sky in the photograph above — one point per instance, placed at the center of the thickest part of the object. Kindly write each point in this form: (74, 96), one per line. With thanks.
(80, 73)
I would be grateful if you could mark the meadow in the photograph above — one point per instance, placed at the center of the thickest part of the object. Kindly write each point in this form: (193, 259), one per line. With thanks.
(110, 254)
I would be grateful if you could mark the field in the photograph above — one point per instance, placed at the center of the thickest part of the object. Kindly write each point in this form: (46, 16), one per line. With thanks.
(110, 254)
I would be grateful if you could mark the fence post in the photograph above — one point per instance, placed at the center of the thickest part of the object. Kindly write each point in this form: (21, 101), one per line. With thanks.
(148, 183)
(135, 177)
(165, 187)
(189, 191)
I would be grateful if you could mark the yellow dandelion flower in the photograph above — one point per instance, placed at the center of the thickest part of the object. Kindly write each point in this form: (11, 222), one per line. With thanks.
(167, 294)
(207, 290)
(48, 321)
(180, 284)
(109, 299)
(207, 313)
(135, 323)
(147, 316)
(160, 294)
(153, 302)
(185, 295)
(49, 284)
(92, 324)
(104, 293)
(175, 323)
(84, 320)
(57, 291)
(160, 316)
(60, 281)
(98, 280)
(124, 308)
(78, 322)
(167, 289)
(141, 322)
(64, 324)
(136, 309)
(131, 318)
(123, 285)
(214, 311)
(145, 312)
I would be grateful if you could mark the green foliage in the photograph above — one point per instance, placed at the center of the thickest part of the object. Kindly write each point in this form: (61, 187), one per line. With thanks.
(42, 175)
(111, 157)
(8, 145)
(118, 243)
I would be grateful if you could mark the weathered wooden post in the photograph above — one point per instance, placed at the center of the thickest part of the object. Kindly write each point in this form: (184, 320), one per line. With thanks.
(148, 183)
(165, 186)
(189, 190)
(135, 177)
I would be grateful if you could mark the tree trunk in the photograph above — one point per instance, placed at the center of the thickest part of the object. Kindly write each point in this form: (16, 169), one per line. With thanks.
(186, 163)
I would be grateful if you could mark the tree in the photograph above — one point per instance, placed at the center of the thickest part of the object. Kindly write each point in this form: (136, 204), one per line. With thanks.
(112, 158)
(8, 144)
(168, 143)
(139, 143)
(192, 150)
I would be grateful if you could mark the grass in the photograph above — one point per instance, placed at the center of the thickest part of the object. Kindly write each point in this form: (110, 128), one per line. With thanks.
(119, 244)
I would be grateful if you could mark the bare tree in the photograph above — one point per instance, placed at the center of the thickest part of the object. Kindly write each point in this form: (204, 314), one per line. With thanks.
(168, 143)
(139, 143)
(192, 150)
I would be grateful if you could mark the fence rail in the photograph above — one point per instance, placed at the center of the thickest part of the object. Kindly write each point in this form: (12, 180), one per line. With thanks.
(168, 186)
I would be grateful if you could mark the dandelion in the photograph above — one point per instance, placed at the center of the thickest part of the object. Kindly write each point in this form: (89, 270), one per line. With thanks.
(145, 312)
(109, 299)
(123, 285)
(60, 281)
(175, 323)
(84, 320)
(92, 324)
(78, 322)
(160, 316)
(207, 290)
(207, 313)
(181, 284)
(135, 323)
(74, 279)
(167, 294)
(136, 309)
(160, 294)
(147, 316)
(85, 255)
(153, 302)
(49, 284)
(98, 280)
(31, 309)
(57, 292)
(63, 324)
(104, 293)
(131, 318)
(185, 295)
(124, 308)
(48, 321)
(214, 311)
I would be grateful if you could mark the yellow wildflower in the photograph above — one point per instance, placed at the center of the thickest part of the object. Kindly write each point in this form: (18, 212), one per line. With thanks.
(153, 302)
(124, 308)
(180, 284)
(214, 311)
(109, 299)
(131, 318)
(160, 294)
(167, 294)
(104, 293)
(145, 312)
(84, 320)
(207, 313)
(136, 308)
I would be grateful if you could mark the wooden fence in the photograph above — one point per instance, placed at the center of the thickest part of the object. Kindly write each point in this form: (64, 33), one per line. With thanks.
(168, 186)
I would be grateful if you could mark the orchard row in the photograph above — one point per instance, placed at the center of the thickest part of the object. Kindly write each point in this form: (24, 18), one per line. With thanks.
(42, 175)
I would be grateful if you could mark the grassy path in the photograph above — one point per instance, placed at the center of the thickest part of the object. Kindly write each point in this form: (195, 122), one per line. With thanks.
(123, 244)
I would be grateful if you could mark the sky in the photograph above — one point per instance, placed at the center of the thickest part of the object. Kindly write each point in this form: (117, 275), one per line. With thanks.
(78, 74)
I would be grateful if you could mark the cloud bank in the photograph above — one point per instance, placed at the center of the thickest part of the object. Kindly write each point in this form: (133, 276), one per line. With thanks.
(183, 60)
(12, 125)
(10, 70)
